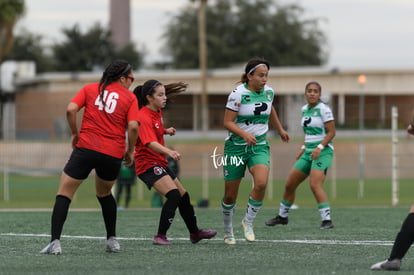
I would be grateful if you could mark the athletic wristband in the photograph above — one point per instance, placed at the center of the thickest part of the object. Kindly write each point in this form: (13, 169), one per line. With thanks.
(320, 146)
(302, 147)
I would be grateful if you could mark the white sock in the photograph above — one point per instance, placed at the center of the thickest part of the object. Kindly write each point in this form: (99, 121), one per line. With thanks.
(228, 212)
(284, 208)
(253, 208)
(325, 213)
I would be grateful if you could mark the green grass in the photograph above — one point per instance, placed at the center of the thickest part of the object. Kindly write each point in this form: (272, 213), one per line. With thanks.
(361, 237)
(39, 192)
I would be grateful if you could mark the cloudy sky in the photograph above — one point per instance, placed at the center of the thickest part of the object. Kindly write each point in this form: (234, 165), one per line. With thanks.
(361, 33)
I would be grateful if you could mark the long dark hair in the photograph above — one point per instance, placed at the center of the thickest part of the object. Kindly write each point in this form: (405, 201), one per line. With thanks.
(251, 66)
(148, 88)
(112, 73)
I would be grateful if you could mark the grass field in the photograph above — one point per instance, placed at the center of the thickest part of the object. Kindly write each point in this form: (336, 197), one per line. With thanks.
(39, 192)
(361, 237)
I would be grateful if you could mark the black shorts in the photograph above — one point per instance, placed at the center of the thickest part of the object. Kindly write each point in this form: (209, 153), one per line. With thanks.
(154, 173)
(82, 161)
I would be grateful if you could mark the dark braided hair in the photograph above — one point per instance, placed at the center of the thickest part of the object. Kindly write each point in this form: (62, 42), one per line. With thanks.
(112, 73)
(148, 88)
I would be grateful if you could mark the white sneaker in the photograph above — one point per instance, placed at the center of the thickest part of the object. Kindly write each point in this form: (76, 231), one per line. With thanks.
(229, 239)
(248, 231)
(112, 245)
(229, 236)
(52, 248)
(387, 265)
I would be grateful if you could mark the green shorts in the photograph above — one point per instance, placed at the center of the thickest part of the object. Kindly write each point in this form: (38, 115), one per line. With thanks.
(306, 164)
(238, 157)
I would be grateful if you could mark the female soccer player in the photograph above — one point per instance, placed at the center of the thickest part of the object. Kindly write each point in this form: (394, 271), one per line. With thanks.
(109, 109)
(248, 112)
(313, 159)
(404, 238)
(152, 165)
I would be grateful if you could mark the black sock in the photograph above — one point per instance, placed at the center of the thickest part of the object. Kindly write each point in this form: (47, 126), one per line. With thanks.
(127, 195)
(108, 205)
(404, 239)
(60, 212)
(187, 213)
(168, 211)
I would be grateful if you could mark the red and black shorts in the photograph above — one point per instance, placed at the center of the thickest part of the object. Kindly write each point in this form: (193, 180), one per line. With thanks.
(153, 174)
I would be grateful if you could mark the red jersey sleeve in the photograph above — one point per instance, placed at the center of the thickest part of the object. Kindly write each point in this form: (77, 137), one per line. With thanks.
(146, 131)
(80, 98)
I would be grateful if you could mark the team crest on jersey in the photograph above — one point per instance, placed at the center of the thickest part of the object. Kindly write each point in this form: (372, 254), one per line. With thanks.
(158, 170)
(157, 125)
(269, 96)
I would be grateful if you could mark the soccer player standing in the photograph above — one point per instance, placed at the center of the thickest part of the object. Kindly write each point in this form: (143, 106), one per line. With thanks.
(248, 112)
(313, 159)
(152, 165)
(109, 109)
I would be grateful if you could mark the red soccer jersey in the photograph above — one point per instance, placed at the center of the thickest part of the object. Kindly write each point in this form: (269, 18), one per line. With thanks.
(151, 129)
(103, 126)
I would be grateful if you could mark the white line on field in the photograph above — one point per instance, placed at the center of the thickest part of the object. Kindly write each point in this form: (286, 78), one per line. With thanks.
(326, 242)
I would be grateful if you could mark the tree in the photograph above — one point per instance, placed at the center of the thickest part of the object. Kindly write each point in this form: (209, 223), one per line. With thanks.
(132, 55)
(10, 12)
(83, 52)
(28, 46)
(90, 50)
(240, 29)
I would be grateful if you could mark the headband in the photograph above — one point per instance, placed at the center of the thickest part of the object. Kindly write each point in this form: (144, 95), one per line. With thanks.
(124, 71)
(157, 83)
(255, 67)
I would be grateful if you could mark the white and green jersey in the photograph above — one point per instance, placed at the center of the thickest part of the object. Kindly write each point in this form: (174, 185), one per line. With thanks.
(253, 110)
(313, 123)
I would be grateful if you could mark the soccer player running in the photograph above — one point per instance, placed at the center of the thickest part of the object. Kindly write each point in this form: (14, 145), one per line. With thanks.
(100, 144)
(248, 112)
(404, 238)
(152, 165)
(313, 159)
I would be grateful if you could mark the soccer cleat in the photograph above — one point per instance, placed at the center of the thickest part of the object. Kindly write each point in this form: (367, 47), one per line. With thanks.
(387, 265)
(229, 239)
(277, 220)
(326, 224)
(160, 239)
(229, 236)
(202, 234)
(112, 245)
(52, 248)
(248, 231)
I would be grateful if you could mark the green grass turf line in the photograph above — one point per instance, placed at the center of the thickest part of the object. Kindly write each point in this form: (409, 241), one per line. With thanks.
(361, 237)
